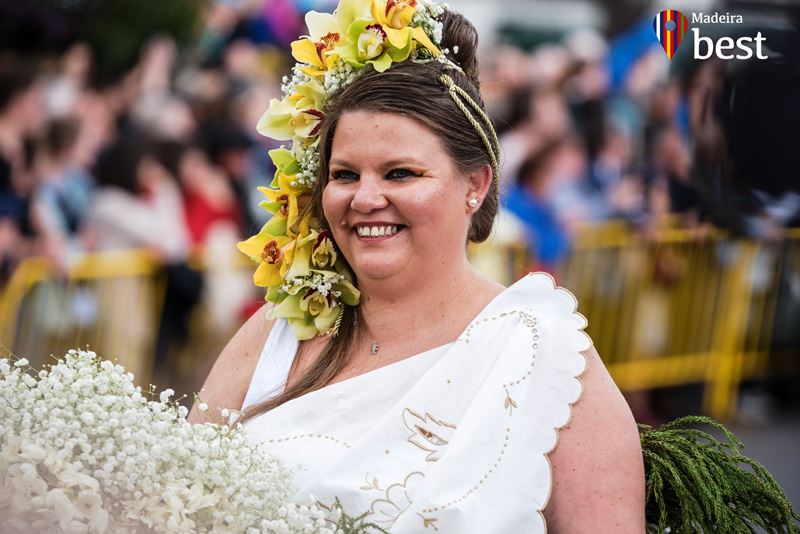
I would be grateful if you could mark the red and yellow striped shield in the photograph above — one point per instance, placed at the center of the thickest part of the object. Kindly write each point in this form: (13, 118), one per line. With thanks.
(670, 26)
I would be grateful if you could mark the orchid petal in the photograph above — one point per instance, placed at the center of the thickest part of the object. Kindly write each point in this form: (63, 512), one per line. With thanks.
(351, 10)
(422, 38)
(281, 157)
(288, 308)
(274, 122)
(349, 294)
(382, 63)
(321, 24)
(303, 329)
(267, 275)
(399, 38)
(305, 51)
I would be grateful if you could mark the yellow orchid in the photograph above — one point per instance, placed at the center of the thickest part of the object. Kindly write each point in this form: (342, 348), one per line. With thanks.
(350, 11)
(298, 115)
(298, 257)
(395, 16)
(307, 315)
(318, 56)
(369, 44)
(270, 251)
(324, 253)
(286, 169)
(282, 203)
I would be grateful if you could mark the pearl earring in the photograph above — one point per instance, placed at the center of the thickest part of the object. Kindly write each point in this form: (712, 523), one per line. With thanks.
(473, 202)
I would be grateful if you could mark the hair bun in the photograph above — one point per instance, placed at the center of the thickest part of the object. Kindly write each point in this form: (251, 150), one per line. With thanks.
(460, 38)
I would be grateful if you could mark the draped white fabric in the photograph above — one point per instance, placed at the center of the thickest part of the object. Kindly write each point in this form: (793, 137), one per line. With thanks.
(453, 440)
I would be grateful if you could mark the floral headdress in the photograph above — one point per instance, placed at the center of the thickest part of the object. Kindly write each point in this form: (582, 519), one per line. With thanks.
(307, 280)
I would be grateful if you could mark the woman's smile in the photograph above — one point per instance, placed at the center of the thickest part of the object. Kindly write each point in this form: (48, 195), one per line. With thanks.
(377, 231)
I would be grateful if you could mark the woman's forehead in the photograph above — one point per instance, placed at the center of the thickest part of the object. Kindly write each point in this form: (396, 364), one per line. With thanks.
(384, 136)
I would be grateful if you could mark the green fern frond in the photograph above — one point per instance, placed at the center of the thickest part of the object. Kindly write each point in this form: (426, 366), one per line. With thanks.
(696, 483)
(355, 525)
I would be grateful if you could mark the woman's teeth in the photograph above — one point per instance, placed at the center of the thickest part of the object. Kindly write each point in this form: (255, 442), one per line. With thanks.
(376, 231)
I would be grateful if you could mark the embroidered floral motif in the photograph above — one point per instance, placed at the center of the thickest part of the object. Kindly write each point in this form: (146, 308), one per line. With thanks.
(371, 484)
(509, 403)
(396, 500)
(429, 522)
(428, 433)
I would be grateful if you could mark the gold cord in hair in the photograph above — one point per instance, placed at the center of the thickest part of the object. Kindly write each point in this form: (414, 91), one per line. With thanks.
(460, 96)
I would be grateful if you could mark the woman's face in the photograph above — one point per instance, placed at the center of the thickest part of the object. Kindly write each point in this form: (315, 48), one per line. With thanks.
(395, 200)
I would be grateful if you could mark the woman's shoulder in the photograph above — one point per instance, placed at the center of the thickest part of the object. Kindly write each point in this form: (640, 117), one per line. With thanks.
(229, 379)
(597, 467)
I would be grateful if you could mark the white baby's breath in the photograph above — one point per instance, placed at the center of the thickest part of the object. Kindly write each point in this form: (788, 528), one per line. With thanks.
(82, 450)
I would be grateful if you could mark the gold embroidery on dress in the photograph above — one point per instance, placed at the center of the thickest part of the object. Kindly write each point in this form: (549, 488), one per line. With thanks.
(509, 403)
(396, 499)
(431, 435)
(309, 435)
(429, 522)
(428, 433)
(528, 320)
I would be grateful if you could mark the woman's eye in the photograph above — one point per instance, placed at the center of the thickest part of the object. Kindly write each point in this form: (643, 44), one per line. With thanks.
(344, 175)
(399, 174)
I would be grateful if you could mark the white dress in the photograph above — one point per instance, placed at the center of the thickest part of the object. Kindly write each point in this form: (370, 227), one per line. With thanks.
(451, 440)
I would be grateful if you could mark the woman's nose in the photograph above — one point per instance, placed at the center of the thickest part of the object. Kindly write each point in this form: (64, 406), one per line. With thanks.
(369, 195)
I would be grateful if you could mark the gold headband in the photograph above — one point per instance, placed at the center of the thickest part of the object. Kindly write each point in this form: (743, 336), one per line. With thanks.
(492, 145)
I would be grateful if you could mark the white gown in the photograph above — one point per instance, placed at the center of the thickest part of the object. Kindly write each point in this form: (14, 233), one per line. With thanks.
(451, 440)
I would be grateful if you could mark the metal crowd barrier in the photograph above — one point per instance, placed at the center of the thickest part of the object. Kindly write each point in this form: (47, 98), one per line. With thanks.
(109, 302)
(681, 306)
(671, 308)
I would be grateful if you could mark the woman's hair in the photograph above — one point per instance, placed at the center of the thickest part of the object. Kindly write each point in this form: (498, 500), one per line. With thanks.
(411, 88)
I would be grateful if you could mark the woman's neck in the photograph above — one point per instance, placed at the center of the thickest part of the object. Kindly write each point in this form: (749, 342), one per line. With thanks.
(426, 309)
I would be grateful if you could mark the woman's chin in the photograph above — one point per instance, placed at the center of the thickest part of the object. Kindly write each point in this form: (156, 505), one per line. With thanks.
(380, 267)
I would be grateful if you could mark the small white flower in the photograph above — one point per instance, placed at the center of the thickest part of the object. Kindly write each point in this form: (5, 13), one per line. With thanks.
(165, 395)
(202, 407)
(22, 362)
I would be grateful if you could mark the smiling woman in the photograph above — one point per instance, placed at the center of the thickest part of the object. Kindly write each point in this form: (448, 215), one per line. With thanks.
(420, 198)
(429, 398)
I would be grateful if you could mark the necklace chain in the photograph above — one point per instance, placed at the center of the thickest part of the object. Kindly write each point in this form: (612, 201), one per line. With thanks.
(375, 347)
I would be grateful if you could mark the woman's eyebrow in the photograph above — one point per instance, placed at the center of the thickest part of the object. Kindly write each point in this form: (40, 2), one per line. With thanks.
(386, 164)
(341, 162)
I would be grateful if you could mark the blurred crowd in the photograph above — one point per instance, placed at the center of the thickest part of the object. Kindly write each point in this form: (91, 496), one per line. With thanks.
(596, 129)
(164, 155)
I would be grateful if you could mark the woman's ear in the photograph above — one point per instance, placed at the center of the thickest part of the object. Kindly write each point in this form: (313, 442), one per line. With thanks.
(479, 183)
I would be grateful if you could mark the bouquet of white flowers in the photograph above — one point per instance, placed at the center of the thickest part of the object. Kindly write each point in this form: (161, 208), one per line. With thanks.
(83, 450)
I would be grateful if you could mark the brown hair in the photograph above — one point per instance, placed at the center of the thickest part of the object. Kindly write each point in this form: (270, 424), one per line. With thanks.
(413, 89)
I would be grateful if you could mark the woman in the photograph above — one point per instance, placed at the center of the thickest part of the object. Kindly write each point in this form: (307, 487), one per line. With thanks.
(436, 404)
(137, 206)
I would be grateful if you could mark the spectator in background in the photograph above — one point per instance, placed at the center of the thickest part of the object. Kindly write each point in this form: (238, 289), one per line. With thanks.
(138, 205)
(208, 197)
(20, 113)
(228, 146)
(529, 199)
(62, 201)
(214, 222)
(17, 233)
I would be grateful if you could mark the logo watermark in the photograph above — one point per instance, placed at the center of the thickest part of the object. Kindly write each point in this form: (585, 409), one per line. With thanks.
(671, 27)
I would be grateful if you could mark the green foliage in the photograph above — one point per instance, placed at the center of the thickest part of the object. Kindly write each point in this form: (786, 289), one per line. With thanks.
(117, 29)
(355, 525)
(696, 483)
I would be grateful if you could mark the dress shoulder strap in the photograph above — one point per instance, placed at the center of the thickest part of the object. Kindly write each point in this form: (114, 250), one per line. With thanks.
(274, 363)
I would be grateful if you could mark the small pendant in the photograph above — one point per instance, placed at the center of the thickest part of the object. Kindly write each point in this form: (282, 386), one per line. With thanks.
(374, 348)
